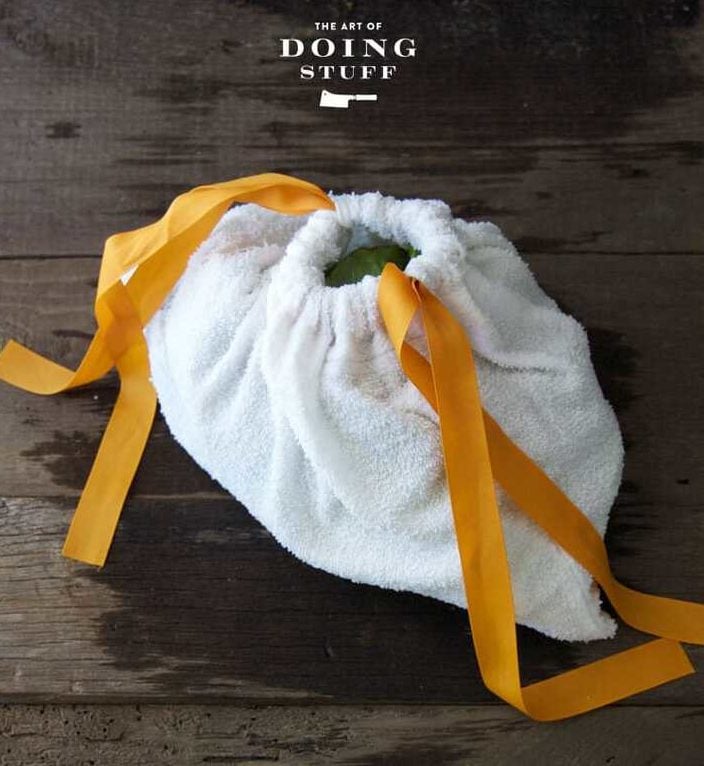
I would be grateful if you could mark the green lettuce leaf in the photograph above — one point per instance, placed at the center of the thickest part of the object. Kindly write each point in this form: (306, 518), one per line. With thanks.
(367, 260)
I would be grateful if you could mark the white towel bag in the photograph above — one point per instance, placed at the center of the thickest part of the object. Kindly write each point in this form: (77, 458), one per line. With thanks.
(288, 393)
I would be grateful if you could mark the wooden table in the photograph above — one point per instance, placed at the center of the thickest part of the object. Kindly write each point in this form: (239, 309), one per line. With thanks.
(577, 127)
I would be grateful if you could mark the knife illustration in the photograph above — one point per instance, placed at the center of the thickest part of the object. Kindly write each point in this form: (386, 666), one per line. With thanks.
(342, 100)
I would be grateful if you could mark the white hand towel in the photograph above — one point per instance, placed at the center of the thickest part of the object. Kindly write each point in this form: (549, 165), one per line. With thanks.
(289, 394)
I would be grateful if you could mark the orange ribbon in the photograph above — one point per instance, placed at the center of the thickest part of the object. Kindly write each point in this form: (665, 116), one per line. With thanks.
(475, 448)
(476, 451)
(159, 253)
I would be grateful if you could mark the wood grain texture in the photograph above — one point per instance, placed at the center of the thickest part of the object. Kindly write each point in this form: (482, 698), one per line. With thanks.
(190, 735)
(577, 126)
(198, 602)
(574, 125)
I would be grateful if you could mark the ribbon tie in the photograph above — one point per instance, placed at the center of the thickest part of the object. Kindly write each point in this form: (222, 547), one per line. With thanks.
(158, 253)
(476, 450)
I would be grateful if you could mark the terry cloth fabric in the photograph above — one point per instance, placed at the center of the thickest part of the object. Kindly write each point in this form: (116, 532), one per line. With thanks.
(289, 394)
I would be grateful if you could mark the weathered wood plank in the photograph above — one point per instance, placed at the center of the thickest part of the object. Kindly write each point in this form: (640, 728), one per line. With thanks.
(607, 199)
(576, 128)
(643, 315)
(133, 735)
(199, 602)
